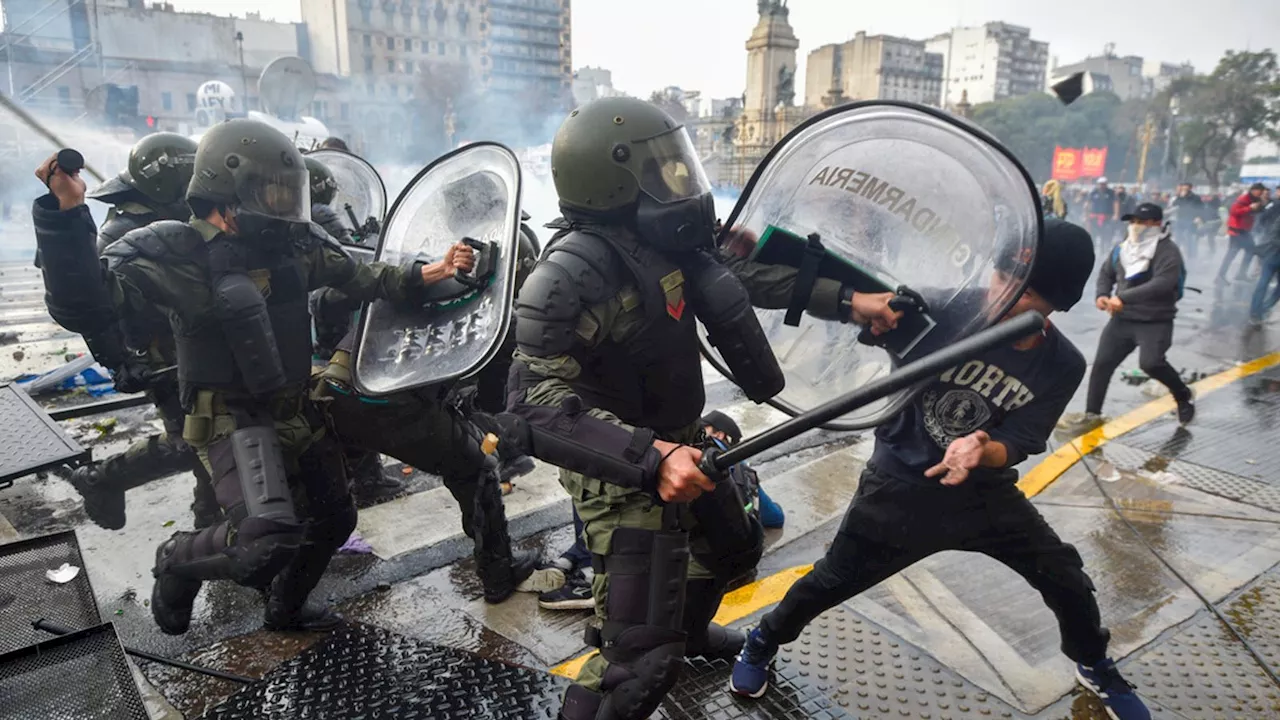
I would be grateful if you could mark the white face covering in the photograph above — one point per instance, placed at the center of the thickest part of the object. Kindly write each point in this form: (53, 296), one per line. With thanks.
(1138, 248)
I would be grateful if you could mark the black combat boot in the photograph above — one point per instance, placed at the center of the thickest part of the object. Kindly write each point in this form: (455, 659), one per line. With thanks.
(287, 607)
(705, 638)
(103, 503)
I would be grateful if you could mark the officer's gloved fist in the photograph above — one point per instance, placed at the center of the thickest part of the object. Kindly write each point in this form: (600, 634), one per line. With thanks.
(679, 479)
(133, 376)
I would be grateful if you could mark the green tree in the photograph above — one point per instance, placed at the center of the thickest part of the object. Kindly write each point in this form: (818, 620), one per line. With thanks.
(1031, 126)
(1221, 112)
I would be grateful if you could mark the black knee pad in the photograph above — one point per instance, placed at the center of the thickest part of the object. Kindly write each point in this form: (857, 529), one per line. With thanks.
(261, 549)
(637, 680)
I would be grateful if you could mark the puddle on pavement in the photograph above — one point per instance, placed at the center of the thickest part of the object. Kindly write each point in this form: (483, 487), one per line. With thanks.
(252, 655)
(1086, 706)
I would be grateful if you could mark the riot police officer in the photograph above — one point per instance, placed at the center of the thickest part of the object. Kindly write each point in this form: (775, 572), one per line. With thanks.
(150, 188)
(430, 429)
(234, 281)
(323, 189)
(369, 483)
(607, 384)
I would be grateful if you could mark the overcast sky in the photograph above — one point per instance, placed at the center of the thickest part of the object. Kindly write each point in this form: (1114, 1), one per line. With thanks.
(698, 44)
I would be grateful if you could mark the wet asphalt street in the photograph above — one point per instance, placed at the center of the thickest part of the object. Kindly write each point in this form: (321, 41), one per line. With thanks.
(955, 636)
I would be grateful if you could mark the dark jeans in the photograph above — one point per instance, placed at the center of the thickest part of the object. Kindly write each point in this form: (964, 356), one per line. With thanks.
(893, 523)
(1119, 339)
(1238, 242)
(578, 554)
(1262, 303)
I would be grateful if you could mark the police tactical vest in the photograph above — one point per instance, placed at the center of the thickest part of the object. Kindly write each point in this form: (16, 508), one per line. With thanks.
(651, 377)
(205, 360)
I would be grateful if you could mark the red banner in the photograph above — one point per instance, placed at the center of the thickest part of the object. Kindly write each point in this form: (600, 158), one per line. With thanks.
(1093, 163)
(1079, 163)
(1066, 163)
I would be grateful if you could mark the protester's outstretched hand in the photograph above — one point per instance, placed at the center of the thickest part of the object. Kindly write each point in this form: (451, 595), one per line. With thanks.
(963, 454)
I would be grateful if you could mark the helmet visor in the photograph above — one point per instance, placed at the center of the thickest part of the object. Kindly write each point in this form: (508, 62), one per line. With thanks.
(671, 170)
(281, 194)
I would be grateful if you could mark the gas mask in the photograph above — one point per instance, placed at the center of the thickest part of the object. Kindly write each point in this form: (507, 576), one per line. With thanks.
(269, 231)
(677, 227)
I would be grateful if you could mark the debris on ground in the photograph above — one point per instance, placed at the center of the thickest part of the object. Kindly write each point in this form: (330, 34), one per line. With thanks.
(63, 574)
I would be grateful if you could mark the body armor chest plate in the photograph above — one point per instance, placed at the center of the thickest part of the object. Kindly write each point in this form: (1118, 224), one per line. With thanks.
(648, 371)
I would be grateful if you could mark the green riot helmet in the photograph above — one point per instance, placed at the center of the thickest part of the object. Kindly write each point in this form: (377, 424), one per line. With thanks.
(161, 165)
(323, 186)
(619, 155)
(159, 170)
(253, 169)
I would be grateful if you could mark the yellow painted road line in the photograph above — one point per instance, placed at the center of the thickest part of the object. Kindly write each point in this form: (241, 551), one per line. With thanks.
(1052, 467)
(736, 605)
(762, 593)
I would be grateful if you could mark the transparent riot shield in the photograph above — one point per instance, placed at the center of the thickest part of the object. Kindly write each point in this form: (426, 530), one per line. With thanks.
(457, 325)
(361, 194)
(891, 194)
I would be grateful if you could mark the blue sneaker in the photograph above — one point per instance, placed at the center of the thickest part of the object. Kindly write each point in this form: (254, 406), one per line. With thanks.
(1114, 691)
(750, 676)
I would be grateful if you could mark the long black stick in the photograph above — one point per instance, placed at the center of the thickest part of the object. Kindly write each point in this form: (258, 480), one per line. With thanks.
(97, 408)
(904, 377)
(55, 629)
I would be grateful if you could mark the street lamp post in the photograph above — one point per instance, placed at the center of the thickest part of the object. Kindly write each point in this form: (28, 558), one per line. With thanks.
(244, 83)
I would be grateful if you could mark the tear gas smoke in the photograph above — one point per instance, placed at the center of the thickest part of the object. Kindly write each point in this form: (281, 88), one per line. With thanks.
(21, 149)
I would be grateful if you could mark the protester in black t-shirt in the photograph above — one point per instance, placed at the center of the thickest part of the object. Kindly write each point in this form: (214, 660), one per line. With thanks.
(941, 477)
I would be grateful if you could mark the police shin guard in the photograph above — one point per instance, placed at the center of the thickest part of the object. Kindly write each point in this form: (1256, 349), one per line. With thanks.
(500, 569)
(484, 516)
(643, 638)
(705, 638)
(268, 532)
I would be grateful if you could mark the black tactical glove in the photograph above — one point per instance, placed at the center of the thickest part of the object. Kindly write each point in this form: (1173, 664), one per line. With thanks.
(133, 376)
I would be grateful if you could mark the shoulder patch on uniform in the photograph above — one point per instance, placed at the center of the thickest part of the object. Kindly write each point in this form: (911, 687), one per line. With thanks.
(673, 291)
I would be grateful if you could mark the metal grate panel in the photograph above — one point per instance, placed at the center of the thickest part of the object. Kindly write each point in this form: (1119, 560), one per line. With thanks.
(703, 694)
(81, 676)
(30, 441)
(363, 672)
(26, 595)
